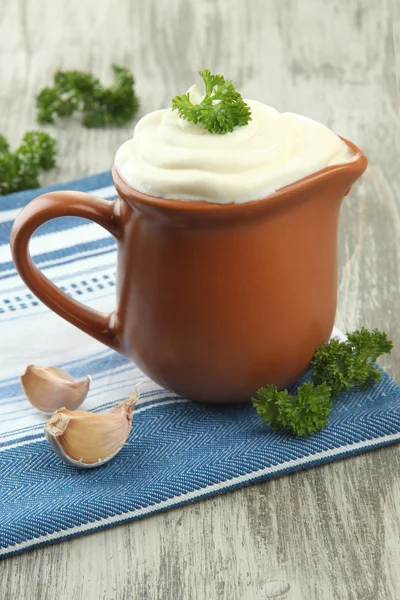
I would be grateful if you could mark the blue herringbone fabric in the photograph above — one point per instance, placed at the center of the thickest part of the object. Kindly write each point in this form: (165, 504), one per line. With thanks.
(178, 451)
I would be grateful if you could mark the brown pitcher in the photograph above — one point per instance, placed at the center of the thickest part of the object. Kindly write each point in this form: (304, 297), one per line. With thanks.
(213, 301)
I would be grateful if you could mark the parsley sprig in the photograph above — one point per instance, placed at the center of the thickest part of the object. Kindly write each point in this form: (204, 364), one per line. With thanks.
(222, 108)
(302, 414)
(336, 367)
(75, 91)
(19, 170)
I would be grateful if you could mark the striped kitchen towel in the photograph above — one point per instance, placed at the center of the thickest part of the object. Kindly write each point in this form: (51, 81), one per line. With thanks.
(178, 451)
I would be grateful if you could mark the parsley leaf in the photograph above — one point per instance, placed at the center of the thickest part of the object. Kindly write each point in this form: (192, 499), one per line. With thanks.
(20, 170)
(4, 145)
(222, 108)
(75, 91)
(336, 367)
(351, 362)
(302, 414)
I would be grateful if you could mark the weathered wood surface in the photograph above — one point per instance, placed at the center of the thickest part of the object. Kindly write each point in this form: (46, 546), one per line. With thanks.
(332, 532)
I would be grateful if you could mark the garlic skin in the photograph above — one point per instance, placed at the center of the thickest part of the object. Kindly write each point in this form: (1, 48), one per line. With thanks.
(49, 388)
(86, 440)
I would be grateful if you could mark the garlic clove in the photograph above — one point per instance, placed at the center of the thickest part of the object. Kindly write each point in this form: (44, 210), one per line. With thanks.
(50, 388)
(85, 439)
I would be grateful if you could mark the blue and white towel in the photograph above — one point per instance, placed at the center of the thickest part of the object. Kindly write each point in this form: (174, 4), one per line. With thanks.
(178, 451)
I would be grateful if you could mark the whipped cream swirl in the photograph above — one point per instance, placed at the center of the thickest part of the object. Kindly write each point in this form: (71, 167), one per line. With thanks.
(172, 158)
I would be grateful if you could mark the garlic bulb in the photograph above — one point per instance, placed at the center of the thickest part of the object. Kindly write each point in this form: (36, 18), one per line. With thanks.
(50, 388)
(85, 439)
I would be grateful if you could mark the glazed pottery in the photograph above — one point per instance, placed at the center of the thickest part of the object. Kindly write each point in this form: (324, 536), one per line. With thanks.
(213, 301)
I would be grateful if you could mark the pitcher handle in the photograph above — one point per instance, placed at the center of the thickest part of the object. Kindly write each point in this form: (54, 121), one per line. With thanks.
(102, 326)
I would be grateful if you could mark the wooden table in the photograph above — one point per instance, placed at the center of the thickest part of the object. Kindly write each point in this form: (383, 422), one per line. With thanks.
(331, 532)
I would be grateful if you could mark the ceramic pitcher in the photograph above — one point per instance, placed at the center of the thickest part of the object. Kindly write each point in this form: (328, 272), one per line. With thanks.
(213, 301)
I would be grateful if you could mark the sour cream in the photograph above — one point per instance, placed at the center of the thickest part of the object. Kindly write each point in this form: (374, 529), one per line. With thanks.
(172, 158)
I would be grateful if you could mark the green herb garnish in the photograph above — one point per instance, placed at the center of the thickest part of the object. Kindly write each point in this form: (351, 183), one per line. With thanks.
(352, 362)
(20, 170)
(222, 108)
(336, 367)
(75, 91)
(302, 414)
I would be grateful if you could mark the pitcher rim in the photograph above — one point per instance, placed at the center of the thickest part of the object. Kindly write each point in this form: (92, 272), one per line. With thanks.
(357, 164)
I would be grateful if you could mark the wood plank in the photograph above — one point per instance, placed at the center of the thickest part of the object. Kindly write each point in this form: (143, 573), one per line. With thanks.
(331, 532)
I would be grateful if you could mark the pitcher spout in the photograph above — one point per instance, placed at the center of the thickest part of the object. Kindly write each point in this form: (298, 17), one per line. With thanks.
(344, 175)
